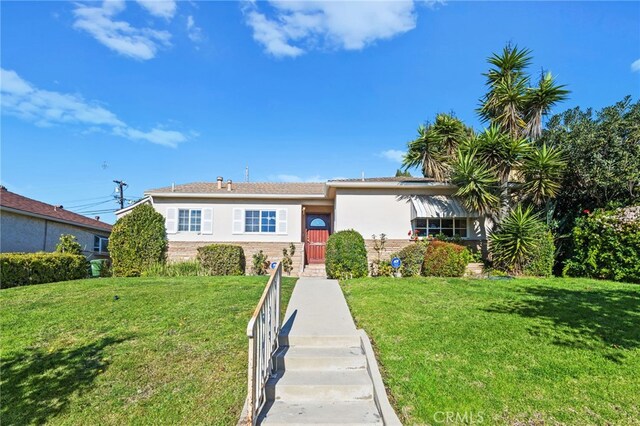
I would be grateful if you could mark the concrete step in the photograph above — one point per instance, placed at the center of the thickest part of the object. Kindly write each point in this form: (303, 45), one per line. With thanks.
(321, 413)
(349, 340)
(325, 386)
(290, 358)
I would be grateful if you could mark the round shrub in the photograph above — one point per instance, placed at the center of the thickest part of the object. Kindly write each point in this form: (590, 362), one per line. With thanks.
(68, 244)
(346, 255)
(222, 259)
(443, 259)
(412, 257)
(138, 241)
(607, 245)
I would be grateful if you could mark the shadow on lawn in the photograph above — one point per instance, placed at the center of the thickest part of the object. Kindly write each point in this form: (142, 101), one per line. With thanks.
(37, 385)
(581, 317)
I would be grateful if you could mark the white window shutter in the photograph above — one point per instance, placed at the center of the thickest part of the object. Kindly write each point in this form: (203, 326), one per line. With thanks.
(282, 221)
(238, 219)
(171, 221)
(207, 221)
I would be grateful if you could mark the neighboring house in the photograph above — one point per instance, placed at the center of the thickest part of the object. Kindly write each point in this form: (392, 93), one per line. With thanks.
(27, 226)
(270, 216)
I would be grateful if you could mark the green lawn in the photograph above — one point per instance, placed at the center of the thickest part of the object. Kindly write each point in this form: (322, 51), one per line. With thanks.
(168, 351)
(525, 351)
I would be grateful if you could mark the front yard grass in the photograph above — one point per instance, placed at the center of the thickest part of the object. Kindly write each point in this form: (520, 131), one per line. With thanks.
(165, 351)
(524, 351)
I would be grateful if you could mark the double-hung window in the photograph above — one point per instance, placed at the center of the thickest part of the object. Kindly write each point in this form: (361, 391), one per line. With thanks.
(449, 227)
(260, 221)
(189, 220)
(100, 244)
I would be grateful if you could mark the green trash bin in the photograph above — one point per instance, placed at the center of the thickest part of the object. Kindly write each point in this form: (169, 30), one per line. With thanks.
(96, 267)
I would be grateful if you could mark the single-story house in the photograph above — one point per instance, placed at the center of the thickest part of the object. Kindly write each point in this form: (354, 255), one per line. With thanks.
(270, 216)
(29, 226)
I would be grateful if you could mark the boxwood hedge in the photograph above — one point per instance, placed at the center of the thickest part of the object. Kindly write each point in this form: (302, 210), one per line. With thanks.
(18, 269)
(222, 259)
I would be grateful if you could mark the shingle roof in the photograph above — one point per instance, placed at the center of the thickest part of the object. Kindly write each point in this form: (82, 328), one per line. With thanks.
(18, 202)
(249, 188)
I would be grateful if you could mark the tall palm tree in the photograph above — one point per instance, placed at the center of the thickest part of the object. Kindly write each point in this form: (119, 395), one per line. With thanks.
(538, 103)
(450, 132)
(426, 152)
(510, 102)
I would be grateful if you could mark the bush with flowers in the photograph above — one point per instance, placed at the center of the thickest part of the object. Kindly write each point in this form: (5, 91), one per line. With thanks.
(607, 245)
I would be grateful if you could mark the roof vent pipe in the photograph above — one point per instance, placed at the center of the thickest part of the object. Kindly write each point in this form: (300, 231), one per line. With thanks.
(173, 187)
(220, 179)
(229, 185)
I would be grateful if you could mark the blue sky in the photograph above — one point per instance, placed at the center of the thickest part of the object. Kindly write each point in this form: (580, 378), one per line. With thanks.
(160, 92)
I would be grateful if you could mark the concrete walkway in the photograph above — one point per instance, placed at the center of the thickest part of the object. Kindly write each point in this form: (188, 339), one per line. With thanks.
(326, 370)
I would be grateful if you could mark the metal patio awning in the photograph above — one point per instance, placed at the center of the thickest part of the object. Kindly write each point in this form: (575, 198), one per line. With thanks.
(425, 206)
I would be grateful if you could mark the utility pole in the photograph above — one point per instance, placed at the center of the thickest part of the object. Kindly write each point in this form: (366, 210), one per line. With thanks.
(120, 190)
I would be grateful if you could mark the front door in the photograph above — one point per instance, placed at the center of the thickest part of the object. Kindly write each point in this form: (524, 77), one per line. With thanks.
(317, 230)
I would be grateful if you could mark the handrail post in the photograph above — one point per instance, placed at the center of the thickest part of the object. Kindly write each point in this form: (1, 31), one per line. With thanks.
(263, 330)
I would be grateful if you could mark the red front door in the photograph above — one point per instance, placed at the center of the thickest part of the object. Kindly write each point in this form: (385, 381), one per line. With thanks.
(317, 231)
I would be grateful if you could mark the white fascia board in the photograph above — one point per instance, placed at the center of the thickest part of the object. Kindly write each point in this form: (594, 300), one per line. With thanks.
(439, 185)
(137, 203)
(237, 196)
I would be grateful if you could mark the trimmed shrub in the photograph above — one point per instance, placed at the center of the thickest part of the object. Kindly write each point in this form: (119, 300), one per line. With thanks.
(346, 255)
(189, 268)
(68, 244)
(607, 245)
(287, 261)
(443, 259)
(260, 264)
(542, 257)
(222, 259)
(412, 257)
(138, 240)
(18, 269)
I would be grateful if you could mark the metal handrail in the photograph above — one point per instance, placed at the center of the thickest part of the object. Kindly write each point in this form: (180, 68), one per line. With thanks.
(262, 331)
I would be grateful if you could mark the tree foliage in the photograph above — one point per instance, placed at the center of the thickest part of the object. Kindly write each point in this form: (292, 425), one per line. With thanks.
(602, 152)
(138, 241)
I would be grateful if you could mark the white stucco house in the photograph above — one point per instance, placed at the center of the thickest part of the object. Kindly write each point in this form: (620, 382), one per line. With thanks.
(270, 216)
(28, 226)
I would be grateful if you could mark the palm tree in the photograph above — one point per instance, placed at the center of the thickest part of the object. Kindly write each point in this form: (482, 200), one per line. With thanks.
(542, 172)
(509, 102)
(538, 103)
(449, 132)
(426, 152)
(477, 184)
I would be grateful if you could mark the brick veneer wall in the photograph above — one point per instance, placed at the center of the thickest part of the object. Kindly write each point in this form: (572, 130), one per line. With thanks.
(184, 250)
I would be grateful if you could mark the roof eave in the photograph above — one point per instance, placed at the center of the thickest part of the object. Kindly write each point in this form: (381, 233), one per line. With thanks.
(55, 219)
(233, 195)
(336, 184)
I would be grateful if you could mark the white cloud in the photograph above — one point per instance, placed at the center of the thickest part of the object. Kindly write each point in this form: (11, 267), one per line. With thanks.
(193, 31)
(635, 67)
(394, 155)
(160, 8)
(119, 36)
(297, 26)
(48, 108)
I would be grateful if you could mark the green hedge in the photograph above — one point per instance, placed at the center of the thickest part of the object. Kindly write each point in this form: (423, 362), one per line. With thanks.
(346, 255)
(412, 257)
(222, 259)
(17, 269)
(443, 259)
(542, 257)
(607, 245)
(138, 241)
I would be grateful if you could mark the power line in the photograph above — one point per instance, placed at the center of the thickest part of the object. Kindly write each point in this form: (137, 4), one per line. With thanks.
(120, 190)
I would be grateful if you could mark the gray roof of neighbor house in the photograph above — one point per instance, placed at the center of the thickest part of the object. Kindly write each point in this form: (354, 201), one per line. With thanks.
(16, 202)
(249, 188)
